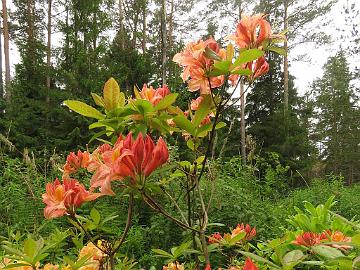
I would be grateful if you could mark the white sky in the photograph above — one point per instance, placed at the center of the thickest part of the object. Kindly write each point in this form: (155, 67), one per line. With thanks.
(304, 72)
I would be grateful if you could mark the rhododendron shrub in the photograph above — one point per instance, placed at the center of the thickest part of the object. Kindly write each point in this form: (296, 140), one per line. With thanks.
(130, 158)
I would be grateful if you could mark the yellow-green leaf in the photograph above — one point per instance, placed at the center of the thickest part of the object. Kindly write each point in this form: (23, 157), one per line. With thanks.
(84, 109)
(112, 94)
(98, 100)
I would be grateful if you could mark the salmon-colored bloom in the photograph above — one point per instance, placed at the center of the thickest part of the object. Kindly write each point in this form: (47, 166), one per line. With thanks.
(338, 236)
(174, 266)
(93, 251)
(64, 198)
(74, 162)
(250, 233)
(251, 31)
(152, 95)
(258, 67)
(208, 267)
(196, 65)
(309, 239)
(215, 238)
(128, 158)
(249, 265)
(50, 266)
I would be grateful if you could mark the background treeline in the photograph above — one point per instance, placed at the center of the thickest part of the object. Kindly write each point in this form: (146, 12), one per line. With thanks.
(275, 141)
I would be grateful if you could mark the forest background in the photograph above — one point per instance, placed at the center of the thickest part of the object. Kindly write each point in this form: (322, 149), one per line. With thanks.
(279, 147)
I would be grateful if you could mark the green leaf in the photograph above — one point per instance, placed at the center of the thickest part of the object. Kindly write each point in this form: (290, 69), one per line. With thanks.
(217, 72)
(327, 252)
(15, 265)
(30, 247)
(248, 56)
(190, 144)
(294, 256)
(95, 215)
(84, 109)
(242, 71)
(112, 97)
(223, 65)
(276, 49)
(98, 100)
(166, 101)
(143, 106)
(259, 259)
(209, 53)
(203, 111)
(162, 253)
(184, 123)
(220, 125)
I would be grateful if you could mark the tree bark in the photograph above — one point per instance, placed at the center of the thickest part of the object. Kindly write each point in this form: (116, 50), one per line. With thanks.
(48, 52)
(286, 61)
(171, 23)
(121, 24)
(1, 71)
(242, 108)
(143, 42)
(6, 51)
(163, 40)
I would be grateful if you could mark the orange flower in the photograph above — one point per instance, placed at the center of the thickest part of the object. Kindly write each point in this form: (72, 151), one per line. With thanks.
(338, 236)
(128, 158)
(195, 105)
(64, 198)
(196, 65)
(250, 233)
(152, 95)
(91, 250)
(74, 162)
(258, 67)
(174, 266)
(251, 31)
(309, 239)
(249, 265)
(215, 238)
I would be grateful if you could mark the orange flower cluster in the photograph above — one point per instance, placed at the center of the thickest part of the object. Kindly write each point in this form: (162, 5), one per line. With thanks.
(152, 95)
(96, 256)
(309, 239)
(240, 228)
(127, 159)
(196, 65)
(249, 265)
(64, 198)
(174, 266)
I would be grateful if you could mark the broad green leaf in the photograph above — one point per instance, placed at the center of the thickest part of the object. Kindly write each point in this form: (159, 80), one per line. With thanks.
(342, 263)
(98, 100)
(278, 50)
(15, 265)
(190, 144)
(293, 256)
(162, 253)
(223, 65)
(137, 92)
(203, 111)
(209, 53)
(327, 252)
(259, 259)
(97, 135)
(220, 125)
(217, 72)
(356, 239)
(166, 101)
(95, 215)
(84, 109)
(200, 159)
(184, 123)
(248, 56)
(242, 71)
(30, 247)
(112, 97)
(142, 106)
(97, 125)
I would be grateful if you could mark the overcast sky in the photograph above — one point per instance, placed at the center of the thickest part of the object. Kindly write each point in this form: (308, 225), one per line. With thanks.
(304, 72)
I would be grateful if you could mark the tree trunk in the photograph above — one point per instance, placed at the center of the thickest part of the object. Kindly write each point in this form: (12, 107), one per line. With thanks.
(6, 51)
(163, 40)
(143, 42)
(286, 62)
(121, 24)
(242, 123)
(1, 71)
(171, 23)
(242, 108)
(48, 52)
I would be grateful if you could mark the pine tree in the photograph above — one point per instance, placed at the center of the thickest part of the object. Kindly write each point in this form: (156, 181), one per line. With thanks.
(337, 119)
